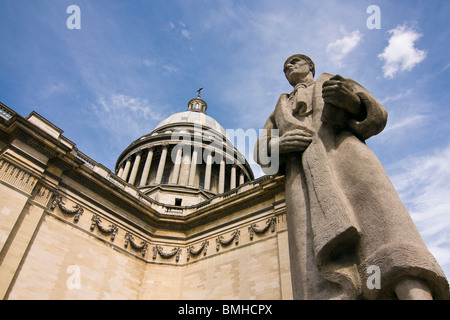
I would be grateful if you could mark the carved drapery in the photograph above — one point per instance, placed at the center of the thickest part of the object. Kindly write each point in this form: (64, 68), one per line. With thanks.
(142, 247)
(254, 228)
(166, 255)
(111, 229)
(76, 211)
(221, 241)
(192, 252)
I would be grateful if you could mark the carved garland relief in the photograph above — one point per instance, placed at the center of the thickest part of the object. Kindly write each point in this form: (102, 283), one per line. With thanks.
(141, 246)
(76, 210)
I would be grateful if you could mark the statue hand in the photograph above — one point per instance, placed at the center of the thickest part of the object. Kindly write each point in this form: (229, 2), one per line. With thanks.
(294, 141)
(338, 92)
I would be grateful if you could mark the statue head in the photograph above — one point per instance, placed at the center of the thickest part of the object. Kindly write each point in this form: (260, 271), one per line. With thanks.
(297, 67)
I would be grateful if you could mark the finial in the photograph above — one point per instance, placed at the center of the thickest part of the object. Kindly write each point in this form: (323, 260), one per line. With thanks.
(199, 91)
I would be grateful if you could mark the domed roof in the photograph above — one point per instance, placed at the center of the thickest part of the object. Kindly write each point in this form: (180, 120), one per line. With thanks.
(194, 117)
(161, 163)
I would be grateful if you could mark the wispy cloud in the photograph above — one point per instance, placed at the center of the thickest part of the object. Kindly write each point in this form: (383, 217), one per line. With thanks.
(413, 120)
(401, 53)
(338, 50)
(181, 29)
(54, 89)
(170, 68)
(423, 186)
(397, 97)
(447, 66)
(125, 116)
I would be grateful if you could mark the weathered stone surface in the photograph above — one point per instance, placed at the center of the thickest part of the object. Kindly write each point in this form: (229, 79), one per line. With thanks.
(343, 213)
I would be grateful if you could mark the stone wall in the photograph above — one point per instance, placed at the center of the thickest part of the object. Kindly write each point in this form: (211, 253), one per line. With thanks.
(57, 245)
(64, 261)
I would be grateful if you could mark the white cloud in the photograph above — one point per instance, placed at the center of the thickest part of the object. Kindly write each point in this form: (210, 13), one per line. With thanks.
(413, 120)
(401, 53)
(447, 66)
(148, 63)
(182, 29)
(50, 90)
(125, 116)
(423, 184)
(397, 97)
(185, 33)
(338, 50)
(170, 68)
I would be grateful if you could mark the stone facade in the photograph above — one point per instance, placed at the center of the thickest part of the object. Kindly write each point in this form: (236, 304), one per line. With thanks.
(72, 229)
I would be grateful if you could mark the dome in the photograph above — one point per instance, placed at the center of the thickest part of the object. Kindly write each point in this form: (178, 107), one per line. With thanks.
(186, 159)
(193, 117)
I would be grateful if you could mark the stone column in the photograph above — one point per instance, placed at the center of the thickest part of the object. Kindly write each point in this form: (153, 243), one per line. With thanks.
(119, 174)
(193, 167)
(185, 167)
(146, 170)
(222, 176)
(134, 171)
(241, 178)
(162, 163)
(207, 183)
(126, 170)
(176, 168)
(233, 177)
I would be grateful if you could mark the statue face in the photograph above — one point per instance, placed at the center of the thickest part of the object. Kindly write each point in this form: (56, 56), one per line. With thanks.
(296, 70)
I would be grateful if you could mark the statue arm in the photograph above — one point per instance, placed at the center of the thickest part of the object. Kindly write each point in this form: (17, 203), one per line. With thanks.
(372, 117)
(349, 105)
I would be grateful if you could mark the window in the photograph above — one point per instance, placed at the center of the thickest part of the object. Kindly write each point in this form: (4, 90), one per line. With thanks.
(178, 201)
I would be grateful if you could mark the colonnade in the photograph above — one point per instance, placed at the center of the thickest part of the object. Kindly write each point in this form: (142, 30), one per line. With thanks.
(187, 169)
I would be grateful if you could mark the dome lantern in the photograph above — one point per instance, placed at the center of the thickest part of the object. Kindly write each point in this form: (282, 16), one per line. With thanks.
(197, 104)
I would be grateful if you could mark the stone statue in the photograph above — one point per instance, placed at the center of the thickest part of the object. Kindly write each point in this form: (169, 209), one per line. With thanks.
(350, 235)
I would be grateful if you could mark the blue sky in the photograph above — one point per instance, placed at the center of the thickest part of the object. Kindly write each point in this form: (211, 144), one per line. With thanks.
(134, 63)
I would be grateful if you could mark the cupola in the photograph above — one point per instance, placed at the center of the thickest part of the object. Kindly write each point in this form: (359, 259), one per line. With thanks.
(185, 160)
(197, 104)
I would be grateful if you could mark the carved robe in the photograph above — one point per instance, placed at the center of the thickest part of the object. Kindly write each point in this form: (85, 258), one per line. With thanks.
(343, 213)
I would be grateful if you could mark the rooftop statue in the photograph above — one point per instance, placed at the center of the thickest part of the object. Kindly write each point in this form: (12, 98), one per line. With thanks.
(345, 220)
